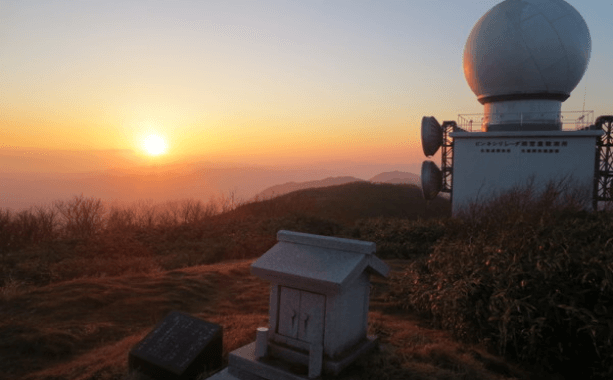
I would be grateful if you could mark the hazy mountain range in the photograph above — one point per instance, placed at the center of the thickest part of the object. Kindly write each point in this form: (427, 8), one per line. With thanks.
(387, 177)
(29, 179)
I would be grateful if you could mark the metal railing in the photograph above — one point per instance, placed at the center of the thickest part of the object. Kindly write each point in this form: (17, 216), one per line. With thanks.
(570, 120)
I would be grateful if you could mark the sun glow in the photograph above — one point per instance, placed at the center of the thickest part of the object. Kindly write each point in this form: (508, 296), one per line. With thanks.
(154, 145)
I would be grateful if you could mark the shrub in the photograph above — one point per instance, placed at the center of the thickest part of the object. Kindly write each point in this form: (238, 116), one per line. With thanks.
(302, 222)
(19, 229)
(400, 238)
(531, 275)
(82, 216)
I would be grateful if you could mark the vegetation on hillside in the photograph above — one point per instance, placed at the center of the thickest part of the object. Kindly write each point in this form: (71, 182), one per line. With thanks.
(83, 237)
(528, 276)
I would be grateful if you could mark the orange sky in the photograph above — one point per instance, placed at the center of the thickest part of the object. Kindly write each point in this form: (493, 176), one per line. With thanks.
(273, 83)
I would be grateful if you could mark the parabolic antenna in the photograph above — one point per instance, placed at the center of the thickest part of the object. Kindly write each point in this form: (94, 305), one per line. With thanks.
(431, 180)
(431, 135)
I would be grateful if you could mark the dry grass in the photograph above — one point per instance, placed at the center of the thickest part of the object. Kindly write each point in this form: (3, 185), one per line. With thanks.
(529, 275)
(84, 329)
(83, 237)
(73, 304)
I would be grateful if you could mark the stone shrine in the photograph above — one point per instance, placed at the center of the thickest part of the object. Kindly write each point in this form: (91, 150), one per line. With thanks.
(319, 302)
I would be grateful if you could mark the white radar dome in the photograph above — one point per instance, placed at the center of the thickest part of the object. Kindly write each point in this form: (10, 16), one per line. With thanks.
(527, 49)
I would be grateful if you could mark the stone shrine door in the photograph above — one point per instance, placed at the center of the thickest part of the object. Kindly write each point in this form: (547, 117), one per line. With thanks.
(301, 315)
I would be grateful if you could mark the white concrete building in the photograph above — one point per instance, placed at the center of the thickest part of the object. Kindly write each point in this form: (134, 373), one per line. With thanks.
(522, 59)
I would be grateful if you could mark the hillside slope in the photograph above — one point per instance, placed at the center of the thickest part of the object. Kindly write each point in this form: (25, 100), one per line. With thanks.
(142, 238)
(352, 201)
(71, 306)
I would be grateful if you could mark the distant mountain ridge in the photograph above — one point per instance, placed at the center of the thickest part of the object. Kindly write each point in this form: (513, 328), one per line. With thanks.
(397, 177)
(288, 187)
(394, 177)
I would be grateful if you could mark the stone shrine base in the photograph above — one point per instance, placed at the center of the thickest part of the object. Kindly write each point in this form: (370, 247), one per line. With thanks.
(242, 364)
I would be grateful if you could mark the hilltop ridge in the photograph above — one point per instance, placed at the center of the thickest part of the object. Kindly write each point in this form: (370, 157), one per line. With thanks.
(288, 187)
(397, 177)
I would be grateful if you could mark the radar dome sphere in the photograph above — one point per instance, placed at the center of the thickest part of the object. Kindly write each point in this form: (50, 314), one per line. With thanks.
(527, 49)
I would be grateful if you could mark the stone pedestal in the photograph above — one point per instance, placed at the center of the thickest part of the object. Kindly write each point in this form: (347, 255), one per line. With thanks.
(243, 365)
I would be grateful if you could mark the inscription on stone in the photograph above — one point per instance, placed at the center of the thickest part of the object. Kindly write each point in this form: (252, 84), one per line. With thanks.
(180, 347)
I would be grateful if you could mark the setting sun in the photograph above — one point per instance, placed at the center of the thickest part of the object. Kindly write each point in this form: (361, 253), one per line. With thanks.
(154, 145)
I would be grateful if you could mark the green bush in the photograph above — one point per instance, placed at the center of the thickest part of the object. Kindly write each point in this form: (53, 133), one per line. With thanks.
(400, 238)
(531, 275)
(302, 222)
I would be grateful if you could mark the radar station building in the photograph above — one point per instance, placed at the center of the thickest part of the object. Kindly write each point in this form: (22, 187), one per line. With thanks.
(522, 59)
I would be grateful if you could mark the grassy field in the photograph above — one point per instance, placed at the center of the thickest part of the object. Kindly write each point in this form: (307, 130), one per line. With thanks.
(84, 329)
(82, 282)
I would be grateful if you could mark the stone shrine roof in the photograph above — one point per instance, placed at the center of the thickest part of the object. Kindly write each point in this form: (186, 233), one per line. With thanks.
(319, 263)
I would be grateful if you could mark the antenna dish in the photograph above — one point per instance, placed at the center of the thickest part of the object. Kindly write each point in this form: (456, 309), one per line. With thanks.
(431, 180)
(431, 135)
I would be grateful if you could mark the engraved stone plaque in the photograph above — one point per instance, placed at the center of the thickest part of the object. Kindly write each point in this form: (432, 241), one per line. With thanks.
(180, 347)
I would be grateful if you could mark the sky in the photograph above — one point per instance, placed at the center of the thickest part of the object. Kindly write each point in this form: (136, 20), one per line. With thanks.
(288, 83)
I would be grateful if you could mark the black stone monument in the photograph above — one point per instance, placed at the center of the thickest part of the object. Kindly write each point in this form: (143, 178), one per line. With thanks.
(180, 347)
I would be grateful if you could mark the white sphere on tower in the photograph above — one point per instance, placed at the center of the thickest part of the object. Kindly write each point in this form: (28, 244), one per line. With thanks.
(523, 58)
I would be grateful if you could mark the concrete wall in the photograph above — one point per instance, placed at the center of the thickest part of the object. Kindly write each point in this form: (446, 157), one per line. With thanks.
(486, 163)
